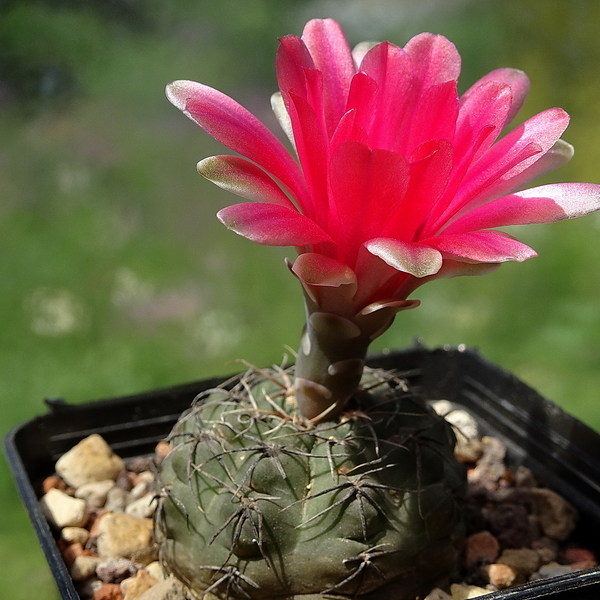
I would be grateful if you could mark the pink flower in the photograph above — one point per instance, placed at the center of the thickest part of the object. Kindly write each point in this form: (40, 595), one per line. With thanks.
(399, 180)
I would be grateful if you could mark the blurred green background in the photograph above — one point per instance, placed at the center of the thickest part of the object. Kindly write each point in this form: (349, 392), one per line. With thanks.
(117, 278)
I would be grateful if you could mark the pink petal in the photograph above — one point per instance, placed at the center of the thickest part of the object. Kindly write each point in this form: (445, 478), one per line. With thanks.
(312, 149)
(543, 204)
(430, 168)
(482, 246)
(435, 59)
(366, 188)
(433, 118)
(272, 225)
(543, 130)
(232, 125)
(560, 154)
(331, 54)
(389, 109)
(493, 173)
(486, 107)
(362, 98)
(297, 76)
(517, 81)
(348, 130)
(243, 178)
(418, 260)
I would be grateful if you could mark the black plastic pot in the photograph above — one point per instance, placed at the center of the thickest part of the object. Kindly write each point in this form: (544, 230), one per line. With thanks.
(563, 452)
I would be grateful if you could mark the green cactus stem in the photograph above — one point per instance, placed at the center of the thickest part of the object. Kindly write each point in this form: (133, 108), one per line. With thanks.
(258, 502)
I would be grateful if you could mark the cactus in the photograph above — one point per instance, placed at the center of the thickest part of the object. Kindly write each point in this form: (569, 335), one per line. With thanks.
(259, 502)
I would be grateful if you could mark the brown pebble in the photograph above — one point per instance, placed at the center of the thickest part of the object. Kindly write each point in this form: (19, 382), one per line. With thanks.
(557, 517)
(70, 552)
(94, 522)
(53, 482)
(580, 555)
(162, 449)
(124, 481)
(522, 560)
(481, 547)
(135, 586)
(502, 576)
(109, 591)
(138, 464)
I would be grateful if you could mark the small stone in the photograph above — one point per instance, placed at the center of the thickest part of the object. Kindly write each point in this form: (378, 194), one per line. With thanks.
(142, 508)
(95, 492)
(481, 548)
(438, 594)
(556, 516)
(578, 555)
(523, 477)
(70, 552)
(551, 570)
(53, 482)
(116, 500)
(468, 445)
(88, 587)
(155, 569)
(127, 537)
(63, 510)
(139, 464)
(115, 570)
(169, 589)
(511, 524)
(138, 490)
(92, 459)
(109, 591)
(523, 560)
(83, 566)
(162, 449)
(502, 576)
(94, 521)
(490, 468)
(461, 591)
(123, 481)
(133, 587)
(75, 535)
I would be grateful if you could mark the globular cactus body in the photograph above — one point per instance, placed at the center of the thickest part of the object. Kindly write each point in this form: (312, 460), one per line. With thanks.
(259, 503)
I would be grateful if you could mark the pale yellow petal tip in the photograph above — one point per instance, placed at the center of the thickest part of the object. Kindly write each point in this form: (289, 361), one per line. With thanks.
(178, 92)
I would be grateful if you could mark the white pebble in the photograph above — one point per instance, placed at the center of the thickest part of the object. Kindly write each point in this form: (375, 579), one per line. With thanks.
(142, 508)
(83, 567)
(92, 459)
(75, 535)
(95, 492)
(63, 510)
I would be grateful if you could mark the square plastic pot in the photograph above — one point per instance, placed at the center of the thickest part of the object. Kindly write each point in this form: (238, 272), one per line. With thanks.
(561, 451)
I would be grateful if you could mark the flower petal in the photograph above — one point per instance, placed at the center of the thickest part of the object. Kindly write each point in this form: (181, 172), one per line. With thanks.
(272, 225)
(366, 189)
(482, 246)
(418, 260)
(385, 106)
(232, 125)
(435, 58)
(543, 204)
(331, 54)
(502, 161)
(243, 178)
(517, 81)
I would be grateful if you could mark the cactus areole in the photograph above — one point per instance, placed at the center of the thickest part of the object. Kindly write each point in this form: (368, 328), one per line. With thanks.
(327, 481)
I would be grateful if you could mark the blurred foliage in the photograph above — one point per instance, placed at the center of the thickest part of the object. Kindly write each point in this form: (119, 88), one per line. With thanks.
(118, 278)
